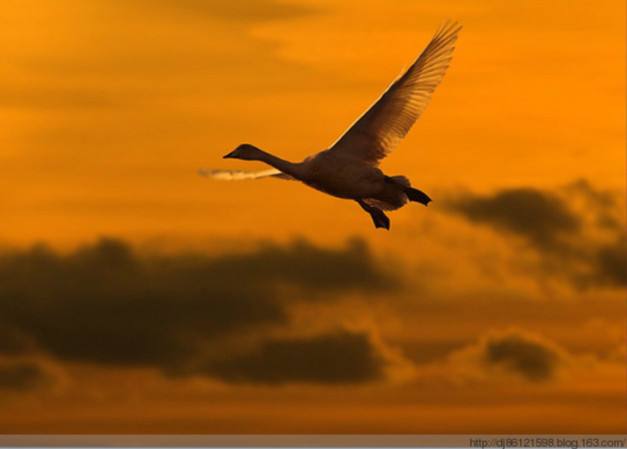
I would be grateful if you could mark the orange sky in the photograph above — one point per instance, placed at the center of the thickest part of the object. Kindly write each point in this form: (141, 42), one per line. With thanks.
(110, 107)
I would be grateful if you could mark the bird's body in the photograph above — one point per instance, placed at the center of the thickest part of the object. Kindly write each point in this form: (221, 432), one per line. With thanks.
(349, 178)
(349, 169)
(342, 177)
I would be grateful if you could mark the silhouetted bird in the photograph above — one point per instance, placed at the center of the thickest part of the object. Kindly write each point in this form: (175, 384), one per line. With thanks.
(349, 168)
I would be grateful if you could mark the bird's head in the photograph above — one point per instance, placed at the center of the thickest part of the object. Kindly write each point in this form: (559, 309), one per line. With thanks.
(245, 152)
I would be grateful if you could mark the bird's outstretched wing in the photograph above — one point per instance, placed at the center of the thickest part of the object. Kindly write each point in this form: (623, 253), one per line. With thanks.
(239, 175)
(388, 120)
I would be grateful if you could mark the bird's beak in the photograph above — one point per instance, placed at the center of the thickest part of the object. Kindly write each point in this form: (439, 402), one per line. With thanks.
(228, 156)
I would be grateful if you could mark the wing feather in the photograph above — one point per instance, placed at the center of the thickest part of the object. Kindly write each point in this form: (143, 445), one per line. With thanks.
(379, 130)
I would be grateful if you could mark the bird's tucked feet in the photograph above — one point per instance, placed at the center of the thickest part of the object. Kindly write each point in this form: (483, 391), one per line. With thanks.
(417, 195)
(379, 219)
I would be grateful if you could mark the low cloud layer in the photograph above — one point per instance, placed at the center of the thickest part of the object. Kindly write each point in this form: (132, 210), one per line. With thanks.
(529, 357)
(576, 229)
(540, 216)
(501, 356)
(216, 315)
(335, 358)
(612, 260)
(105, 304)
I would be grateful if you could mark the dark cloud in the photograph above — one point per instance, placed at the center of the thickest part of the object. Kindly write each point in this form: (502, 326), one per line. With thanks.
(105, 304)
(569, 227)
(22, 375)
(315, 269)
(612, 262)
(524, 355)
(335, 358)
(12, 340)
(540, 216)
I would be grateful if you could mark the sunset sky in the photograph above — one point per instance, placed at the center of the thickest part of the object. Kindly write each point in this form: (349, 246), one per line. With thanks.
(137, 296)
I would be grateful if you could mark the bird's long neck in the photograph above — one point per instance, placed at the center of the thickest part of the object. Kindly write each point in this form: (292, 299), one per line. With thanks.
(287, 167)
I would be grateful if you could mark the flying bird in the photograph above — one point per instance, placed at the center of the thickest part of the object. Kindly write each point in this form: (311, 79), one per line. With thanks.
(349, 169)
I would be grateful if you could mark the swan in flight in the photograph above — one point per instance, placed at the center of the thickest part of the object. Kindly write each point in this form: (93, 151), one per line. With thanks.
(349, 169)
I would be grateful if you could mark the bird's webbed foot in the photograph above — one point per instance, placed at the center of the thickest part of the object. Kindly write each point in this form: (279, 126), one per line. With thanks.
(379, 219)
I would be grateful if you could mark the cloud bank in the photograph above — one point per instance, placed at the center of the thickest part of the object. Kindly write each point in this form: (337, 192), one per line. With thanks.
(539, 216)
(335, 358)
(575, 229)
(105, 304)
(530, 357)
